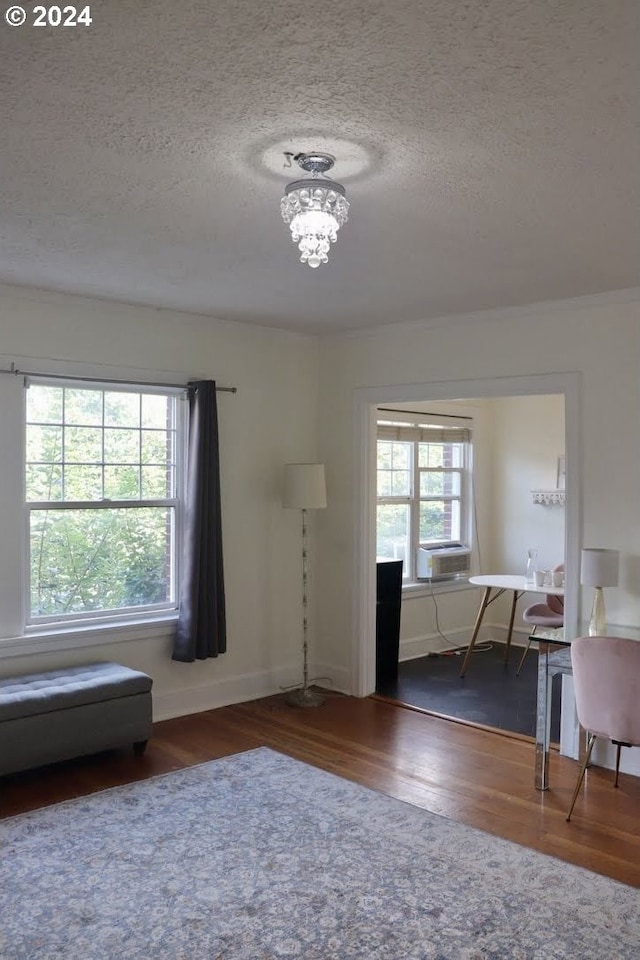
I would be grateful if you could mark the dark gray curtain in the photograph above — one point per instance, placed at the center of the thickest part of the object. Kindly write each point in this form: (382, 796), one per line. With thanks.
(201, 629)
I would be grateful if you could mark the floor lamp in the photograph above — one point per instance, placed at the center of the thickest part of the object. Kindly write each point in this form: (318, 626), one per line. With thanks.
(598, 569)
(304, 489)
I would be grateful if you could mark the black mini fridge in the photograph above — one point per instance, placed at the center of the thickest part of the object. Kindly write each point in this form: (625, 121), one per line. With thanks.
(388, 603)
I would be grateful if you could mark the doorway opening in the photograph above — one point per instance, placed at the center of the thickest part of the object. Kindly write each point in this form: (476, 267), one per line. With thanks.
(464, 470)
(506, 475)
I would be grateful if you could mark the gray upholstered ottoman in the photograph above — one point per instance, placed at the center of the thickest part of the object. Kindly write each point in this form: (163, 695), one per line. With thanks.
(46, 717)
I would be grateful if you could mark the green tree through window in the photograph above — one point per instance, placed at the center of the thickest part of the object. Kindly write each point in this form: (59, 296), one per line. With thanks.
(101, 480)
(422, 471)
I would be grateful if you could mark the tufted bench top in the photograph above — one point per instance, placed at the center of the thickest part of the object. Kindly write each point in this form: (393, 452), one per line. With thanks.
(38, 693)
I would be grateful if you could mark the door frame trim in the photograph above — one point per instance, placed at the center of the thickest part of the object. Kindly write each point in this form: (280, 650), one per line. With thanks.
(568, 384)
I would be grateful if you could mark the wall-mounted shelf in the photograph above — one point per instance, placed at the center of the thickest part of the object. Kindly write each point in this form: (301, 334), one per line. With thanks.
(548, 498)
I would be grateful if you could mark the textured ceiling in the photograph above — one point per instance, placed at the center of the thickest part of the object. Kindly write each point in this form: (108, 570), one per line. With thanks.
(489, 151)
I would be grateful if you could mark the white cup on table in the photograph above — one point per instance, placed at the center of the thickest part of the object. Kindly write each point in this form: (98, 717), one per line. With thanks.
(539, 577)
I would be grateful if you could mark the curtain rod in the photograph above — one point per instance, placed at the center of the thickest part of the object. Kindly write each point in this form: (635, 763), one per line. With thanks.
(133, 383)
(425, 413)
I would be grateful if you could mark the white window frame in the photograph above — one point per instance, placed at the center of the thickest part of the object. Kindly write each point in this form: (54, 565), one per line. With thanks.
(119, 616)
(413, 428)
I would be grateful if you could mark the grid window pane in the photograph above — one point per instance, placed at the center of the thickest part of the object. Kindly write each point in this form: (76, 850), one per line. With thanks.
(155, 446)
(431, 484)
(84, 561)
(421, 488)
(97, 446)
(156, 411)
(430, 455)
(440, 484)
(384, 483)
(44, 481)
(156, 483)
(83, 482)
(44, 404)
(121, 446)
(400, 455)
(393, 531)
(401, 483)
(394, 469)
(87, 445)
(122, 482)
(440, 454)
(82, 445)
(439, 521)
(82, 407)
(122, 409)
(44, 444)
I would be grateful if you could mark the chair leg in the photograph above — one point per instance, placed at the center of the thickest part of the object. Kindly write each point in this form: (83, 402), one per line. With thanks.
(510, 631)
(524, 655)
(618, 748)
(592, 740)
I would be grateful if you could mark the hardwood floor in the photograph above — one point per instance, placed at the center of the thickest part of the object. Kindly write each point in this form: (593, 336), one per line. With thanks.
(475, 776)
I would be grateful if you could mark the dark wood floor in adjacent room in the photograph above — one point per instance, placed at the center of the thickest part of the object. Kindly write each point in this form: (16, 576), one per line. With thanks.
(474, 776)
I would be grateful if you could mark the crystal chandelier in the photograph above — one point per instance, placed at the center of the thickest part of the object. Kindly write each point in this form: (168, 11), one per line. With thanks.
(314, 209)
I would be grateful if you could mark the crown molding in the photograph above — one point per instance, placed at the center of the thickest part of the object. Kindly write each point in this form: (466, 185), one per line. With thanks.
(500, 314)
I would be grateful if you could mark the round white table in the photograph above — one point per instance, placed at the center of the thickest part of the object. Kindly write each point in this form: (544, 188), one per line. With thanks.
(498, 583)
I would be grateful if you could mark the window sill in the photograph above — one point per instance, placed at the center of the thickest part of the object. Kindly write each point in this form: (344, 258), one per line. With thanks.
(39, 640)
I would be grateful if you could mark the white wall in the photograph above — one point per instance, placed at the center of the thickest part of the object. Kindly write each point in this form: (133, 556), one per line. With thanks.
(271, 420)
(597, 340)
(528, 438)
(287, 384)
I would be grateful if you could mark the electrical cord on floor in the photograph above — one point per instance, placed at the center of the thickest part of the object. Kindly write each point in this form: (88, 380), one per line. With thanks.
(458, 651)
(310, 681)
(452, 651)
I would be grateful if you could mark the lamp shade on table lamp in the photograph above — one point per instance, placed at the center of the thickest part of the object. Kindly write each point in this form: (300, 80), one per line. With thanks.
(599, 568)
(304, 486)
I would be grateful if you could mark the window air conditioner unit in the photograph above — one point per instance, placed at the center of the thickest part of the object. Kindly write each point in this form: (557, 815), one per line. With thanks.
(438, 562)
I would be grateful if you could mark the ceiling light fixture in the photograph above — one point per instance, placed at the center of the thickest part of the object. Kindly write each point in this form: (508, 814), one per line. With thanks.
(314, 209)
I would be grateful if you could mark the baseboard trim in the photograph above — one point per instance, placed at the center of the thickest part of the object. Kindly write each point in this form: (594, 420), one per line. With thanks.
(413, 647)
(241, 689)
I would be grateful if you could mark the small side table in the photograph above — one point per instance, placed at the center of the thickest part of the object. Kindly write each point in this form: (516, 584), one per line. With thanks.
(551, 661)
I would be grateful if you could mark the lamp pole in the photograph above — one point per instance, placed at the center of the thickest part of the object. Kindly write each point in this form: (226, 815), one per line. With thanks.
(304, 696)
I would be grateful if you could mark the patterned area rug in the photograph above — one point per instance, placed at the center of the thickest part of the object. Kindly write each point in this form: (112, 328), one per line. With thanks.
(257, 857)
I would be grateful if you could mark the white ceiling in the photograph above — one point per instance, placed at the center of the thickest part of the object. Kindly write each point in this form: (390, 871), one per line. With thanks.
(489, 151)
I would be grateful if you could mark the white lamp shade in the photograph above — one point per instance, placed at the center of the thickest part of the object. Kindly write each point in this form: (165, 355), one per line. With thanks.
(599, 567)
(304, 486)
